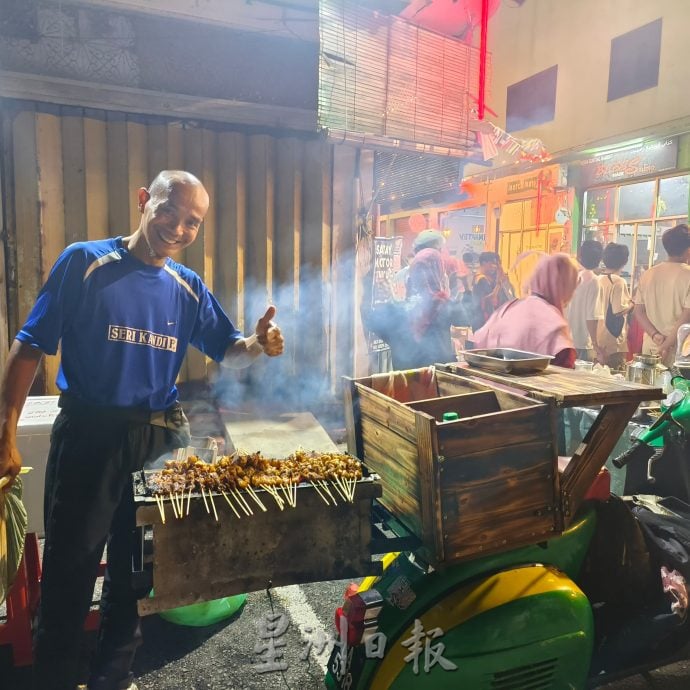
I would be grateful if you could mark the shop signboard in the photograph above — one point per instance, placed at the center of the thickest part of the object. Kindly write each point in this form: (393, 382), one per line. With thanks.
(465, 230)
(387, 262)
(649, 158)
(527, 186)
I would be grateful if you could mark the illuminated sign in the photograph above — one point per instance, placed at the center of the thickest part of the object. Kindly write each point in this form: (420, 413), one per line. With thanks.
(649, 158)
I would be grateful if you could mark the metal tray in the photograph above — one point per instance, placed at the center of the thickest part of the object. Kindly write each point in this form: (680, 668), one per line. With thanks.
(506, 360)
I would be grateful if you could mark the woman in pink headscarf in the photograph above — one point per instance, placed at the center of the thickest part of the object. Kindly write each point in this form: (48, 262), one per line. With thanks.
(418, 329)
(536, 323)
(427, 291)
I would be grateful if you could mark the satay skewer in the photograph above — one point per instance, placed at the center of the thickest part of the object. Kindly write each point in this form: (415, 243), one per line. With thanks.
(256, 498)
(213, 505)
(325, 500)
(244, 502)
(203, 495)
(328, 491)
(238, 498)
(225, 496)
(343, 485)
(286, 494)
(180, 503)
(272, 492)
(172, 501)
(189, 498)
(339, 489)
(161, 508)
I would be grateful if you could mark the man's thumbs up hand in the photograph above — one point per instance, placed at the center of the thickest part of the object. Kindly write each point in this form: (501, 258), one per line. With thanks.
(268, 334)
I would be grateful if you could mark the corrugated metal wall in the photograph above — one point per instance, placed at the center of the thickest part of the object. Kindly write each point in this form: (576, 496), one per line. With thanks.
(71, 174)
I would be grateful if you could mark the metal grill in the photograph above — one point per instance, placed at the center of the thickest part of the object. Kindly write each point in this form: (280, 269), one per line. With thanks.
(392, 84)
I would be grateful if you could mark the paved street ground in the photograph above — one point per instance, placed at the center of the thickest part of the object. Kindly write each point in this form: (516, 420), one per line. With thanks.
(222, 656)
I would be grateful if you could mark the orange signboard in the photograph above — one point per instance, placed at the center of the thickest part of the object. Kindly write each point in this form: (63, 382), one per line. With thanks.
(525, 186)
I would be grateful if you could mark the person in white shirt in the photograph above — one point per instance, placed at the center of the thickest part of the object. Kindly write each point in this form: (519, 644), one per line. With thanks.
(586, 309)
(613, 330)
(662, 300)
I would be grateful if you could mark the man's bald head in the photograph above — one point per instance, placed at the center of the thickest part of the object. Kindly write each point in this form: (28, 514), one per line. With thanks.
(166, 181)
(172, 211)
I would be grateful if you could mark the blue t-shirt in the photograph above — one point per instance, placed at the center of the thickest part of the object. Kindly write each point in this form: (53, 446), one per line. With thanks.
(124, 325)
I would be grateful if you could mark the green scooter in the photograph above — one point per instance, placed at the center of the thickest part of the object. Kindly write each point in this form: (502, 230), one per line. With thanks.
(668, 434)
(525, 619)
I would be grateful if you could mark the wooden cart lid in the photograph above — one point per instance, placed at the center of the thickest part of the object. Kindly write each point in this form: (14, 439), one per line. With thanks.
(568, 387)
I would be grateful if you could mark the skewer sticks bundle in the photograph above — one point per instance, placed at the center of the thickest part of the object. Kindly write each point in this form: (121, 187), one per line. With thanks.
(333, 477)
(234, 510)
(257, 500)
(318, 491)
(161, 507)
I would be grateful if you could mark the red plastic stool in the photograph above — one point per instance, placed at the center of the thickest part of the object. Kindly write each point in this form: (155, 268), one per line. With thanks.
(22, 604)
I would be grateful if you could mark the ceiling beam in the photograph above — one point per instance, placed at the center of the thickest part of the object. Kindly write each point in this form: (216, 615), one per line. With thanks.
(292, 18)
(129, 100)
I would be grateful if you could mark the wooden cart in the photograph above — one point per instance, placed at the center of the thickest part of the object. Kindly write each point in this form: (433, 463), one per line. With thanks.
(449, 490)
(488, 481)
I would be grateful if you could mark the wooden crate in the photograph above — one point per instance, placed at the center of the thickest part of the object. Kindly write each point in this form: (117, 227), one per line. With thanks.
(484, 483)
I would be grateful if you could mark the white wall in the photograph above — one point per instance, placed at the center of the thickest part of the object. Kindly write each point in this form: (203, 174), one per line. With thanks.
(576, 35)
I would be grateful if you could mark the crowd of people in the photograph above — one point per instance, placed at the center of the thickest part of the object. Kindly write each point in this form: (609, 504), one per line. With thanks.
(433, 292)
(571, 310)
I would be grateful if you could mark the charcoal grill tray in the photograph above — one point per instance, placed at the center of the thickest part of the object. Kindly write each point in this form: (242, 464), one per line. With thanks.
(197, 558)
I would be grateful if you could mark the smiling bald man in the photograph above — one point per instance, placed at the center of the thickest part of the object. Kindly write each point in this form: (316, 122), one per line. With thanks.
(124, 313)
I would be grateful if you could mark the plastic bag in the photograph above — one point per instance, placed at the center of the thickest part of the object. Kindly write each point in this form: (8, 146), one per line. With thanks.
(13, 524)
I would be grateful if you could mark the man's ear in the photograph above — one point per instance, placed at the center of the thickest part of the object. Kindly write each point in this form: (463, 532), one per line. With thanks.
(143, 196)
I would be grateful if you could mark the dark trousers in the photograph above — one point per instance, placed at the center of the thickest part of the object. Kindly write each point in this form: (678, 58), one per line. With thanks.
(88, 503)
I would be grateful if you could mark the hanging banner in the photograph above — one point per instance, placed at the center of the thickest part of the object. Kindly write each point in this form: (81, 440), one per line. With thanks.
(493, 139)
(387, 262)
